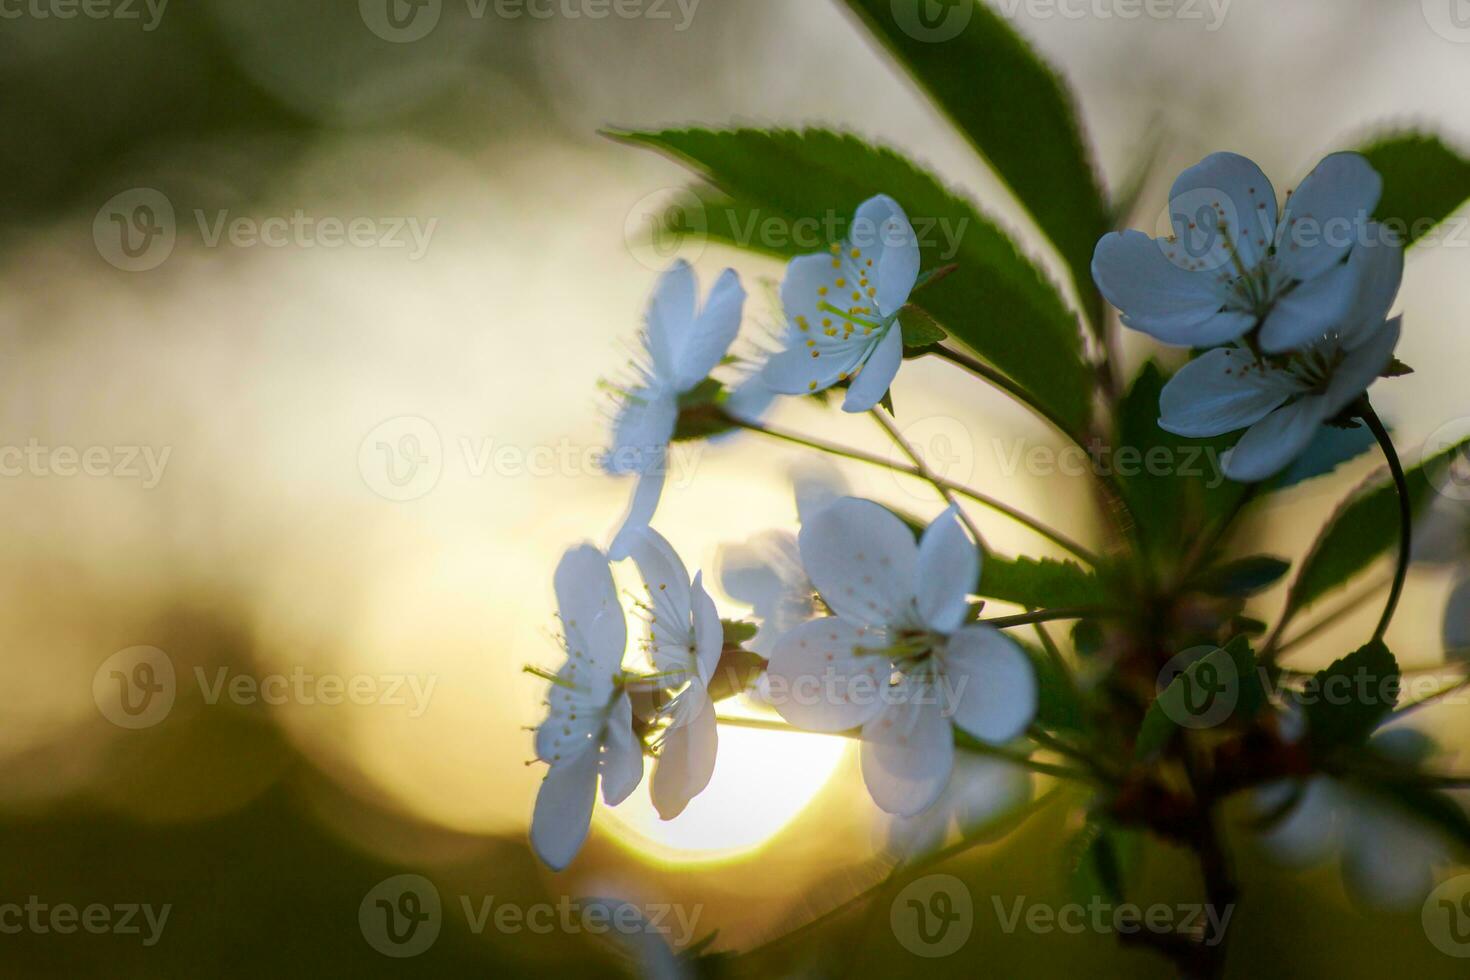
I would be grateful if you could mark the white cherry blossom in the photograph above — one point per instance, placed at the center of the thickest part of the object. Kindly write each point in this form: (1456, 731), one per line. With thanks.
(685, 641)
(588, 731)
(896, 658)
(682, 345)
(1284, 399)
(1230, 267)
(842, 309)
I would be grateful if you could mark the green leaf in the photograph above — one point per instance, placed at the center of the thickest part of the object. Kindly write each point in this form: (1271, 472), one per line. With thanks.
(1424, 181)
(1058, 706)
(700, 416)
(1364, 527)
(1013, 108)
(1040, 583)
(1346, 702)
(919, 329)
(788, 193)
(1218, 688)
(1243, 577)
(1101, 858)
(1174, 486)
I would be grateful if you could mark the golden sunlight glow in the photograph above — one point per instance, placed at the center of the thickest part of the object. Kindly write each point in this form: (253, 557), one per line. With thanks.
(762, 781)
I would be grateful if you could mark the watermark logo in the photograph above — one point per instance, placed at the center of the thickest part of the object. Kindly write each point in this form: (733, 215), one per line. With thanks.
(401, 21)
(1450, 19)
(1446, 917)
(933, 916)
(945, 447)
(1194, 229)
(933, 21)
(135, 688)
(402, 459)
(135, 231)
(1451, 480)
(401, 916)
(664, 225)
(1202, 697)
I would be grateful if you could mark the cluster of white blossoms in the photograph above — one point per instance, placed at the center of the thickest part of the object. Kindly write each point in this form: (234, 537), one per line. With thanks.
(1294, 311)
(900, 656)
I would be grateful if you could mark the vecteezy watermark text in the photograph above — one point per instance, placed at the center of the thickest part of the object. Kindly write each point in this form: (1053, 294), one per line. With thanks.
(149, 13)
(144, 463)
(401, 917)
(406, 21)
(64, 919)
(1105, 460)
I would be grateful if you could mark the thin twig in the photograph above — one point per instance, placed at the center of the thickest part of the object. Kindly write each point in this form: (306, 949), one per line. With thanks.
(908, 450)
(1406, 515)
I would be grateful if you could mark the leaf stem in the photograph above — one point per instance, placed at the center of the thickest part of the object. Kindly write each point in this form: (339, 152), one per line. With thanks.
(1044, 616)
(1020, 517)
(1406, 514)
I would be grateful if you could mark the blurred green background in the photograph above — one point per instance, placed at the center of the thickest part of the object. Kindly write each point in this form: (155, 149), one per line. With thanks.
(273, 375)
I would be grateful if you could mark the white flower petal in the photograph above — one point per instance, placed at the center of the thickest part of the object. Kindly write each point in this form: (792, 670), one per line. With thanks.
(1381, 272)
(1156, 295)
(622, 757)
(816, 483)
(796, 372)
(876, 373)
(670, 316)
(862, 560)
(1327, 214)
(642, 430)
(709, 632)
(1272, 443)
(750, 399)
(1389, 858)
(1313, 309)
(563, 810)
(587, 601)
(907, 757)
(948, 571)
(983, 789)
(882, 232)
(1308, 833)
(819, 682)
(1226, 189)
(705, 342)
(1220, 391)
(989, 684)
(641, 508)
(1362, 367)
(687, 759)
(671, 625)
(1457, 622)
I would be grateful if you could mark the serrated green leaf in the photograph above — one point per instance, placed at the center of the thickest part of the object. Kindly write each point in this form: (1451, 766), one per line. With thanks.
(1040, 583)
(1243, 577)
(788, 193)
(919, 329)
(1424, 182)
(1346, 702)
(1013, 108)
(1364, 527)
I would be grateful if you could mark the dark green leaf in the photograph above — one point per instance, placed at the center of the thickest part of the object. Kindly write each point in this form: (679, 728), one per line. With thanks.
(1040, 584)
(1424, 181)
(1243, 577)
(789, 193)
(1364, 527)
(1101, 858)
(738, 633)
(738, 669)
(1433, 808)
(919, 329)
(1058, 706)
(1174, 486)
(1396, 369)
(700, 416)
(1345, 702)
(1014, 110)
(1087, 637)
